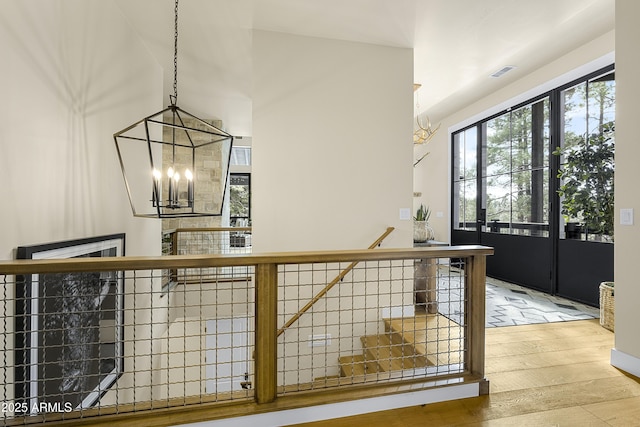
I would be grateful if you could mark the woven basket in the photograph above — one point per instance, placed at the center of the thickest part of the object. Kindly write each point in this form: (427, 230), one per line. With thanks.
(606, 305)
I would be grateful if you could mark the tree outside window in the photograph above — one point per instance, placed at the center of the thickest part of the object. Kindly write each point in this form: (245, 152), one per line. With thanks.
(240, 198)
(587, 158)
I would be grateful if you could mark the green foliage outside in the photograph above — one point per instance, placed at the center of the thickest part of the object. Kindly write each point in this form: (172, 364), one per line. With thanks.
(513, 164)
(239, 201)
(588, 164)
(587, 180)
(515, 174)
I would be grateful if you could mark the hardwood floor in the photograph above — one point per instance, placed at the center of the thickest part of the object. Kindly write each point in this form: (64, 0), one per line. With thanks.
(551, 374)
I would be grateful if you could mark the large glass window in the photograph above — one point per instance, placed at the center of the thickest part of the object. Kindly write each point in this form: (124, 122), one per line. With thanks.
(240, 156)
(505, 167)
(516, 172)
(587, 159)
(240, 198)
(465, 170)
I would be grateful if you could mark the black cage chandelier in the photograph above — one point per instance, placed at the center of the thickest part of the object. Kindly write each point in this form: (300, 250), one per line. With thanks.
(174, 164)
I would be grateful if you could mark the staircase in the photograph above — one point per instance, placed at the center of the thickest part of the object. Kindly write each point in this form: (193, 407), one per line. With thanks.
(408, 343)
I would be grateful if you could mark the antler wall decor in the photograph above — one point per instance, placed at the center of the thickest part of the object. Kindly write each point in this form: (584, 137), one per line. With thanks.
(423, 134)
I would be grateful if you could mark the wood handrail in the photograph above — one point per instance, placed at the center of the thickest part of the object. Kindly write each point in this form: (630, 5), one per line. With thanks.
(327, 288)
(233, 260)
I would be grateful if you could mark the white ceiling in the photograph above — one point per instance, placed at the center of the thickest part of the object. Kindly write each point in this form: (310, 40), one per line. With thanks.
(457, 43)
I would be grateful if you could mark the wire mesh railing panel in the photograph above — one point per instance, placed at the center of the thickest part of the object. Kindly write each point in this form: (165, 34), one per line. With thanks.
(211, 241)
(83, 344)
(384, 320)
(80, 344)
(439, 331)
(214, 241)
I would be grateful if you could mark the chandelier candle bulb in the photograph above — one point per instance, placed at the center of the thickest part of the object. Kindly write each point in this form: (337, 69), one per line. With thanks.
(176, 190)
(171, 185)
(189, 176)
(173, 199)
(155, 192)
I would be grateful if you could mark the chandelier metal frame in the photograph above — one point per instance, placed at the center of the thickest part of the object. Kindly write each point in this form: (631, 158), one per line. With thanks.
(165, 133)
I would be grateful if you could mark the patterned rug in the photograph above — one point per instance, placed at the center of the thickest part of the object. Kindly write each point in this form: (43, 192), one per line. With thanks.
(508, 304)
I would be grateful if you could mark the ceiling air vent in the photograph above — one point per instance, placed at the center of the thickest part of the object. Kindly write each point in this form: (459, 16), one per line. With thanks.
(502, 71)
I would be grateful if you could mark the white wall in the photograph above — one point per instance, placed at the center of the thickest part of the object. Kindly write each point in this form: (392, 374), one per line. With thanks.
(72, 74)
(331, 143)
(627, 285)
(431, 176)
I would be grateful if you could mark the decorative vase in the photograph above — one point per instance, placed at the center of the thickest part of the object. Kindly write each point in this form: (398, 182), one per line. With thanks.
(422, 231)
(430, 233)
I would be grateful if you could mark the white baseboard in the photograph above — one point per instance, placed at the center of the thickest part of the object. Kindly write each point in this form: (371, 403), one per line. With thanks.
(346, 409)
(626, 362)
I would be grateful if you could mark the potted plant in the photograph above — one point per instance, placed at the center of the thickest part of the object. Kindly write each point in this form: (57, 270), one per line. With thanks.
(421, 229)
(587, 183)
(572, 230)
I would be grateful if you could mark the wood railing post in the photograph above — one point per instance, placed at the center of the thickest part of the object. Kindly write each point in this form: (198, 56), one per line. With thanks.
(266, 327)
(174, 251)
(174, 242)
(475, 272)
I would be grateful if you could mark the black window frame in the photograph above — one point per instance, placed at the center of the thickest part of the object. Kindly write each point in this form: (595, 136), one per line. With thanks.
(244, 176)
(553, 161)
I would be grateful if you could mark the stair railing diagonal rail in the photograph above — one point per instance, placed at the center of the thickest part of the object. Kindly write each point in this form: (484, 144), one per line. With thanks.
(331, 284)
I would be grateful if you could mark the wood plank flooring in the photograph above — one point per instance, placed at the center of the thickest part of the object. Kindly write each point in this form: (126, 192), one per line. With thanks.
(551, 374)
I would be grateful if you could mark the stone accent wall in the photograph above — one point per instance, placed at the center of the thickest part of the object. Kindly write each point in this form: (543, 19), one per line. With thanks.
(209, 176)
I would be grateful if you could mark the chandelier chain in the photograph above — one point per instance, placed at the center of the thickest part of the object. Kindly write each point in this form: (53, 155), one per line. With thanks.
(175, 57)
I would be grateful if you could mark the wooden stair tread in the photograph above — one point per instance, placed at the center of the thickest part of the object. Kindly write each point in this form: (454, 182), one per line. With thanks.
(409, 343)
(352, 366)
(420, 322)
(391, 352)
(437, 337)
